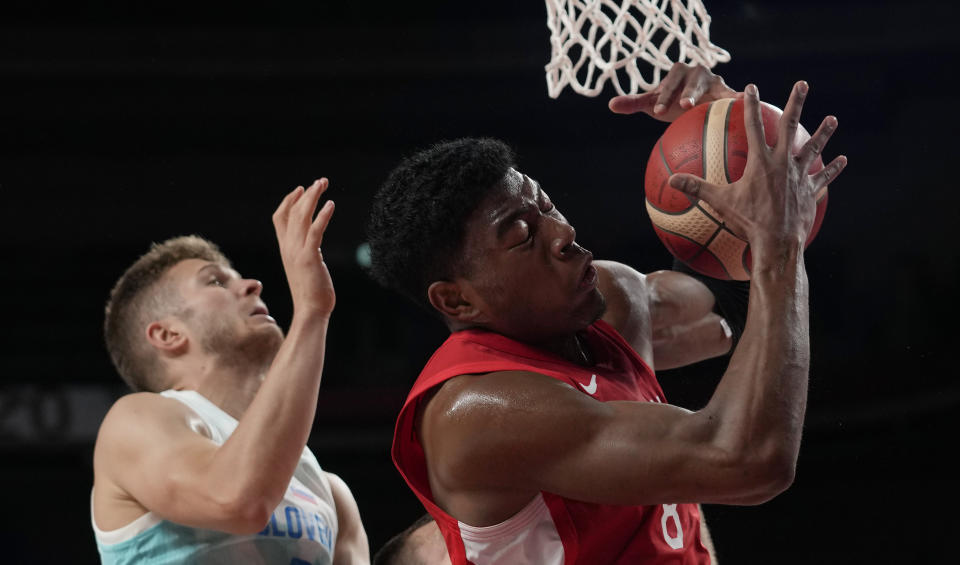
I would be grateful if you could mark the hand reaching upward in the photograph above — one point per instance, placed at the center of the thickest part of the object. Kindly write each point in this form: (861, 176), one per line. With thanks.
(774, 202)
(300, 236)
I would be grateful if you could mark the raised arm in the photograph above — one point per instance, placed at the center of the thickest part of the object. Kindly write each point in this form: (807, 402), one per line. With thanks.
(668, 317)
(153, 449)
(739, 449)
(682, 323)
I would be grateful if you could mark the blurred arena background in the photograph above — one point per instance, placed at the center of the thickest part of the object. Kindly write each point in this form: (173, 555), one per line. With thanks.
(122, 124)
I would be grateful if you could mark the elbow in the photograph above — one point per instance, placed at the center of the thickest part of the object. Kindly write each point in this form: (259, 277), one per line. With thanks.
(251, 520)
(782, 471)
(747, 474)
(769, 477)
(246, 514)
(749, 467)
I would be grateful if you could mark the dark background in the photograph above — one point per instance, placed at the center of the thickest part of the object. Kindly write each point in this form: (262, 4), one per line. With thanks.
(120, 126)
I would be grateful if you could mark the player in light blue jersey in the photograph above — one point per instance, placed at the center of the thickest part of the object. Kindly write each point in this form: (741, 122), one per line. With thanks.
(206, 462)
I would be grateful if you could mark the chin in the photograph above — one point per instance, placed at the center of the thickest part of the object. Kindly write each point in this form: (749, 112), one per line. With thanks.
(276, 331)
(273, 341)
(594, 308)
(601, 307)
(260, 347)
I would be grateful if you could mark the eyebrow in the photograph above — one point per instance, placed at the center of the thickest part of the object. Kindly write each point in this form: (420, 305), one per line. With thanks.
(539, 191)
(218, 267)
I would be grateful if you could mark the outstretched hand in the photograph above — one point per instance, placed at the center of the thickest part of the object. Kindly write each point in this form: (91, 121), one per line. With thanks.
(684, 87)
(774, 202)
(300, 236)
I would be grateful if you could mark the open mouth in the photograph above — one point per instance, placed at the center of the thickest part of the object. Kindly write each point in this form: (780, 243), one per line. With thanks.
(589, 277)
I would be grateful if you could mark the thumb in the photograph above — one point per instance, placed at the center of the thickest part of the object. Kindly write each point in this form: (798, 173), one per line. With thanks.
(698, 189)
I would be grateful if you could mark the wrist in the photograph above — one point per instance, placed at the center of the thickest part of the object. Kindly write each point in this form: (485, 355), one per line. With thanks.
(776, 257)
(307, 318)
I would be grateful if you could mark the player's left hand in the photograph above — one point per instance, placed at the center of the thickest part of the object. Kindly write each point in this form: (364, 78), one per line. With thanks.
(684, 87)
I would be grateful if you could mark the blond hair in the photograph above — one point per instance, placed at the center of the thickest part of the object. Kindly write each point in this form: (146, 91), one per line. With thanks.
(140, 297)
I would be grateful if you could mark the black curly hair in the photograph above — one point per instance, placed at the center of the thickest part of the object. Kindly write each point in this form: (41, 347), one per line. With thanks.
(416, 227)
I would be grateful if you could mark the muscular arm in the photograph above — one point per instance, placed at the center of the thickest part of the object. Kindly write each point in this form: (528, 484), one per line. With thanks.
(149, 447)
(684, 328)
(738, 450)
(539, 434)
(666, 316)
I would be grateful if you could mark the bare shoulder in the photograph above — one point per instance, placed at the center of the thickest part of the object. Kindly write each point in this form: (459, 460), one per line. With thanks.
(128, 413)
(500, 405)
(677, 298)
(143, 409)
(622, 285)
(466, 397)
(624, 276)
(140, 404)
(627, 293)
(626, 283)
(139, 420)
(135, 425)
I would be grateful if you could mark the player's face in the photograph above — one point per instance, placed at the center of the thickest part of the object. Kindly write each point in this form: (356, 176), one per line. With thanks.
(533, 281)
(224, 312)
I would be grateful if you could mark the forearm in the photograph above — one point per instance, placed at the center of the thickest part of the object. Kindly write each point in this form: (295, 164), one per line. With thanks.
(760, 402)
(261, 455)
(259, 458)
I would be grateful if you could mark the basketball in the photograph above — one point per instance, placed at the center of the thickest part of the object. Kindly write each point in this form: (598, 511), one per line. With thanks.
(710, 141)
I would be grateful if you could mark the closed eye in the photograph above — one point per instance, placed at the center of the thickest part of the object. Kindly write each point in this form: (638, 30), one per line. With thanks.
(530, 233)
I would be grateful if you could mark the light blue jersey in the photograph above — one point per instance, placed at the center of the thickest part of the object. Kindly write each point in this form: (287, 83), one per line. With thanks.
(301, 530)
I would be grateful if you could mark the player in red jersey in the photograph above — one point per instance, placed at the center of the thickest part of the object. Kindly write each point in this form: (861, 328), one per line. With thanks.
(538, 433)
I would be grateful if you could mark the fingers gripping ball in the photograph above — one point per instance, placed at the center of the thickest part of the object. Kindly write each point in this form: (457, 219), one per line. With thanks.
(709, 141)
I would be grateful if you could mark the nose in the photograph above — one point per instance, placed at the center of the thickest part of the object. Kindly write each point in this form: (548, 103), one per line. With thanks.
(251, 286)
(563, 238)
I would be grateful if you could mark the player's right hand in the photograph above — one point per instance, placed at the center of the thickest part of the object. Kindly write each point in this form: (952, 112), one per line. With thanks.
(300, 236)
(774, 202)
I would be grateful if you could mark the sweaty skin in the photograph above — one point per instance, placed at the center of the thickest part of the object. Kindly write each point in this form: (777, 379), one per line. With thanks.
(533, 283)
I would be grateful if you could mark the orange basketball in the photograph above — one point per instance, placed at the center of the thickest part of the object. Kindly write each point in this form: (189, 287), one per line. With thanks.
(709, 141)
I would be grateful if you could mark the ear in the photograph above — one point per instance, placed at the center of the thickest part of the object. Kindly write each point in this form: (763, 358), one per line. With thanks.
(448, 298)
(167, 336)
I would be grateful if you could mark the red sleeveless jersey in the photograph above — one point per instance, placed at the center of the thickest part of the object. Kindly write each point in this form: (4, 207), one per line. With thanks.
(552, 529)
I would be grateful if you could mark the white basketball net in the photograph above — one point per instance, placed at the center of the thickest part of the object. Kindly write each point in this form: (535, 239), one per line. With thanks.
(596, 40)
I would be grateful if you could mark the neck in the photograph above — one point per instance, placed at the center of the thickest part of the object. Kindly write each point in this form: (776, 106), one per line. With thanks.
(572, 348)
(231, 388)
